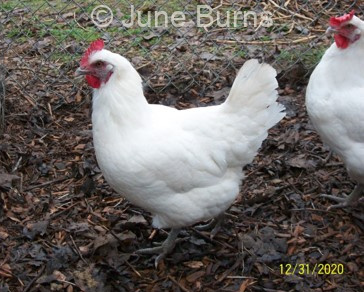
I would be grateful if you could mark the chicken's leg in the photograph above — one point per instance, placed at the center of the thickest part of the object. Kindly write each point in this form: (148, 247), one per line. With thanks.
(215, 224)
(347, 201)
(165, 248)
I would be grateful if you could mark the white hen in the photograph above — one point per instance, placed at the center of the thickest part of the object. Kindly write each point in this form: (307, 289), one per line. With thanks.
(182, 166)
(335, 99)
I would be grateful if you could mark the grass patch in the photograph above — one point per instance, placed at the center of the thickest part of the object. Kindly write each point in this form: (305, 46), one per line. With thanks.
(63, 57)
(9, 6)
(19, 33)
(309, 56)
(62, 33)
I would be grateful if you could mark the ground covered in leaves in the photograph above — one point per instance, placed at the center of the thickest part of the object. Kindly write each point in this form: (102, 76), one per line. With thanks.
(63, 229)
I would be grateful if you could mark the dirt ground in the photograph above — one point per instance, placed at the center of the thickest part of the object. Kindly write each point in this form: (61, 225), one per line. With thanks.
(62, 228)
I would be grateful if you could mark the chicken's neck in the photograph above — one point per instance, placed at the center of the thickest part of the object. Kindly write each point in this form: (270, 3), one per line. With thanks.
(119, 107)
(343, 64)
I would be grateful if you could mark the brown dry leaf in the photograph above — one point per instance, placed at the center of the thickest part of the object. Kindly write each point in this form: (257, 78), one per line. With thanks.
(194, 276)
(316, 217)
(301, 161)
(291, 249)
(260, 267)
(301, 240)
(109, 239)
(59, 276)
(245, 284)
(18, 210)
(150, 35)
(78, 97)
(31, 230)
(67, 15)
(85, 249)
(137, 219)
(85, 279)
(208, 56)
(3, 235)
(80, 147)
(220, 95)
(298, 230)
(7, 178)
(353, 267)
(194, 264)
(69, 119)
(6, 268)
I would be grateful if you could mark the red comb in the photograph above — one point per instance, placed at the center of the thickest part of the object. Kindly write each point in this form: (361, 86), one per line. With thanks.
(95, 46)
(337, 21)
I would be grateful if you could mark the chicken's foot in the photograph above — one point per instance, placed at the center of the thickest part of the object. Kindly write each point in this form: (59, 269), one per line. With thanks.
(165, 248)
(215, 224)
(346, 201)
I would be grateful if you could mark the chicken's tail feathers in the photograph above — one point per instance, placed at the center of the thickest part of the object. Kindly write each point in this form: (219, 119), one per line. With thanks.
(255, 91)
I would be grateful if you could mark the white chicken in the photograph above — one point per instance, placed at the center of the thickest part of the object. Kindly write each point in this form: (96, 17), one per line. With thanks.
(183, 166)
(335, 99)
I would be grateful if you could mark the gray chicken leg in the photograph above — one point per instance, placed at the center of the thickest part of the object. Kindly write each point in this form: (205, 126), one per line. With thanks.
(165, 248)
(215, 224)
(347, 201)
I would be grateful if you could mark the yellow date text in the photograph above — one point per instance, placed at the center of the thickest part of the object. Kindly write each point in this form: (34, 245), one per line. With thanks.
(312, 269)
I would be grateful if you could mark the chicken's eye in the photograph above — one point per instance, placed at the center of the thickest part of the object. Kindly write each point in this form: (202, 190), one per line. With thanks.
(98, 64)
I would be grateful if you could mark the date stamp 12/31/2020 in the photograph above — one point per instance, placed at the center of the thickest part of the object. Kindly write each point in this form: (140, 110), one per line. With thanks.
(309, 269)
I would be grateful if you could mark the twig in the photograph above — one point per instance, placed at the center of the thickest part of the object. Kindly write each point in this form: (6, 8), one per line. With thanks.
(29, 99)
(46, 183)
(2, 100)
(240, 277)
(272, 42)
(289, 11)
(15, 168)
(178, 284)
(151, 236)
(50, 110)
(227, 272)
(24, 69)
(113, 234)
(143, 65)
(78, 250)
(74, 18)
(134, 270)
(312, 209)
(30, 284)
(54, 215)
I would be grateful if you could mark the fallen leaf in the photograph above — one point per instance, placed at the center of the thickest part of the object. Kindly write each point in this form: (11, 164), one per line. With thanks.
(3, 235)
(245, 284)
(137, 219)
(209, 57)
(31, 230)
(301, 161)
(194, 264)
(7, 178)
(194, 276)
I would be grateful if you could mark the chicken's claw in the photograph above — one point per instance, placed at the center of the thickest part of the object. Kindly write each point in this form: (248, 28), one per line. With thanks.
(215, 224)
(165, 248)
(347, 201)
(342, 202)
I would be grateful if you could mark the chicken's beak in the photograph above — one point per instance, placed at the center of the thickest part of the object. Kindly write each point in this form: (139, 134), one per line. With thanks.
(331, 30)
(81, 71)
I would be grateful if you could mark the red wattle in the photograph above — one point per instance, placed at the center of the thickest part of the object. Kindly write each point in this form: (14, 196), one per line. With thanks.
(93, 81)
(341, 41)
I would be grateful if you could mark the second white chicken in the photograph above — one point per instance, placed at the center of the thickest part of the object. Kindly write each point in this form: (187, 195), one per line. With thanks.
(335, 99)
